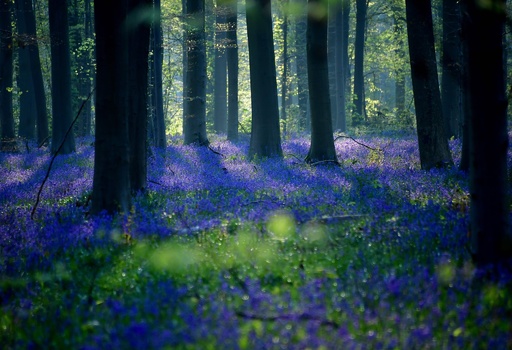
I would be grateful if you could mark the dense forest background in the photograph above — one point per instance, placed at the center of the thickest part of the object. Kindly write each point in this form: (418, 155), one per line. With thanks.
(255, 174)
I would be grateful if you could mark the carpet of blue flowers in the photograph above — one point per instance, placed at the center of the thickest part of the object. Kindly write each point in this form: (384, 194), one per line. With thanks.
(226, 253)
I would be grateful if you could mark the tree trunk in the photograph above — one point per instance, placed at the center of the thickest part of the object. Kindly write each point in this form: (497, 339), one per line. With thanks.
(7, 139)
(342, 65)
(138, 32)
(195, 83)
(284, 78)
(61, 77)
(331, 58)
(232, 62)
(465, 99)
(451, 75)
(301, 61)
(27, 101)
(433, 145)
(265, 133)
(157, 91)
(220, 70)
(491, 241)
(400, 54)
(111, 182)
(359, 109)
(322, 141)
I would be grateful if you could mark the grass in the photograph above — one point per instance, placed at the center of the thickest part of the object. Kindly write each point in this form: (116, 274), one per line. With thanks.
(221, 253)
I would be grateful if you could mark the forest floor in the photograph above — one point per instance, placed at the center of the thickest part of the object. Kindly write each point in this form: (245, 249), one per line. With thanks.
(223, 253)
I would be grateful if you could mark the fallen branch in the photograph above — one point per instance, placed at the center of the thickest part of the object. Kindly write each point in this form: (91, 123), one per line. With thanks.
(359, 143)
(57, 153)
(288, 317)
(216, 152)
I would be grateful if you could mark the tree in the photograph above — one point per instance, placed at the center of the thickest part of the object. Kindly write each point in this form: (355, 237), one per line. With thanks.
(7, 140)
(301, 62)
(28, 114)
(322, 142)
(342, 65)
(232, 62)
(433, 145)
(194, 124)
(111, 181)
(361, 7)
(284, 77)
(156, 78)
(399, 24)
(61, 77)
(265, 134)
(137, 27)
(491, 240)
(451, 74)
(220, 69)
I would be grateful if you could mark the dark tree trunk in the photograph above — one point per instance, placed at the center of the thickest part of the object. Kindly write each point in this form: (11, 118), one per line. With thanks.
(284, 78)
(220, 70)
(157, 88)
(490, 236)
(465, 99)
(400, 54)
(61, 77)
(332, 39)
(111, 182)
(322, 141)
(301, 61)
(433, 145)
(451, 75)
(232, 62)
(28, 114)
(265, 135)
(7, 140)
(359, 109)
(342, 64)
(195, 82)
(138, 31)
(36, 73)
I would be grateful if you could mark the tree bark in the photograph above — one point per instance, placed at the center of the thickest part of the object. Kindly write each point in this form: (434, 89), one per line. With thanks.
(220, 70)
(265, 133)
(433, 145)
(359, 109)
(332, 38)
(7, 139)
(111, 181)
(195, 79)
(138, 31)
(322, 141)
(491, 241)
(232, 62)
(301, 61)
(399, 24)
(61, 77)
(157, 89)
(284, 78)
(342, 69)
(451, 75)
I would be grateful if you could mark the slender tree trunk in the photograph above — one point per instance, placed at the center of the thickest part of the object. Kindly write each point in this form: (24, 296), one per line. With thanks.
(265, 133)
(342, 65)
(301, 61)
(331, 58)
(111, 182)
(491, 240)
(195, 83)
(284, 78)
(61, 77)
(37, 75)
(433, 145)
(451, 75)
(220, 70)
(322, 141)
(400, 54)
(157, 92)
(28, 113)
(465, 98)
(232, 62)
(138, 52)
(7, 139)
(359, 109)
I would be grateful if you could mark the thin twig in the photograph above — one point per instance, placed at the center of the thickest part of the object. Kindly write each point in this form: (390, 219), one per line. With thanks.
(216, 152)
(294, 156)
(57, 153)
(43, 142)
(359, 143)
(288, 317)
